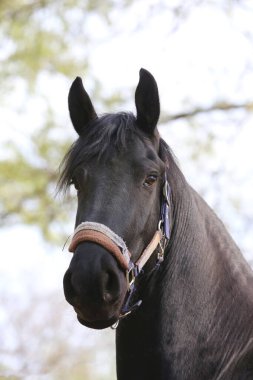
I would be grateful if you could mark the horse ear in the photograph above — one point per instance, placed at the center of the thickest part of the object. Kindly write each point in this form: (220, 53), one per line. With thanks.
(147, 102)
(80, 106)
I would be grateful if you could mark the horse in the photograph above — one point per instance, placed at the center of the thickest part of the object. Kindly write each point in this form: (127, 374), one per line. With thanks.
(150, 257)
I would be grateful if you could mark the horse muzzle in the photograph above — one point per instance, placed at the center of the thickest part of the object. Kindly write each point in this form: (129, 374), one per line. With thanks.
(95, 285)
(101, 286)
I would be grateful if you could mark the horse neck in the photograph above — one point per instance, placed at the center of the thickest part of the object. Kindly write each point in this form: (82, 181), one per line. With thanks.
(201, 250)
(206, 283)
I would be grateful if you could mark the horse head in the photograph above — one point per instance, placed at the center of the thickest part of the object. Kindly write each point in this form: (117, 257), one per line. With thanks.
(118, 175)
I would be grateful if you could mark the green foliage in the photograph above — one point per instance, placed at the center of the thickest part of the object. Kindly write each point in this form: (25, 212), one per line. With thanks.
(28, 185)
(41, 36)
(29, 46)
(44, 35)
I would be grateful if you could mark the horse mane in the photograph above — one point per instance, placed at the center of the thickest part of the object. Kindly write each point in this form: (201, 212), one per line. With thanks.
(174, 173)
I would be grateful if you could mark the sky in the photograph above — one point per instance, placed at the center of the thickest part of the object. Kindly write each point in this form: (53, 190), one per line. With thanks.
(201, 62)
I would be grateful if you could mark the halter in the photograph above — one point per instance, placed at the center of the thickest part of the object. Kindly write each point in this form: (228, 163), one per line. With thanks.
(104, 236)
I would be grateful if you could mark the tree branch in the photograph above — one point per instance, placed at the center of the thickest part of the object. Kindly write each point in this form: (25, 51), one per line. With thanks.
(219, 106)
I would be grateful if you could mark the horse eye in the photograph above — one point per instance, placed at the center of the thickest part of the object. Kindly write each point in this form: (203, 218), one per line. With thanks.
(74, 183)
(150, 180)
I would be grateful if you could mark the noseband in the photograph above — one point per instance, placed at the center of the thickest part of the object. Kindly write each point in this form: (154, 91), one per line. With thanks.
(100, 234)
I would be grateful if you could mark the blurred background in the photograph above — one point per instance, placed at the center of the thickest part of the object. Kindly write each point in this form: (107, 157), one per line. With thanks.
(201, 54)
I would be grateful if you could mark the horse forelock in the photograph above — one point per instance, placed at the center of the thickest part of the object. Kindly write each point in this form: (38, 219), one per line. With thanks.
(99, 140)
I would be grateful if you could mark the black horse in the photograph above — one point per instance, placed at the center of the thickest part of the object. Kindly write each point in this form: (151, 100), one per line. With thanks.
(184, 296)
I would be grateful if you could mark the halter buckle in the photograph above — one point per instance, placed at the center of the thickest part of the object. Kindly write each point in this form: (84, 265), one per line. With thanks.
(131, 274)
(160, 250)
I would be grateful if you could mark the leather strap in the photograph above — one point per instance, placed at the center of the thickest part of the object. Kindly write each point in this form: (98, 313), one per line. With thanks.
(101, 239)
(149, 250)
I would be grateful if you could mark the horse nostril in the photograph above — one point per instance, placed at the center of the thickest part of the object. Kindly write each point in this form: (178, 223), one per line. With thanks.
(111, 287)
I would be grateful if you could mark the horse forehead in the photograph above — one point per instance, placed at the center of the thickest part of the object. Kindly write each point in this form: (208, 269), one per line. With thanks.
(138, 151)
